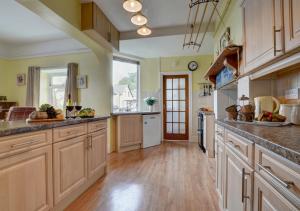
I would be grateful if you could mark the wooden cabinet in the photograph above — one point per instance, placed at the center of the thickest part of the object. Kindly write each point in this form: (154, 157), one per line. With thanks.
(267, 198)
(26, 181)
(292, 24)
(129, 132)
(95, 23)
(238, 183)
(97, 152)
(220, 158)
(263, 32)
(70, 166)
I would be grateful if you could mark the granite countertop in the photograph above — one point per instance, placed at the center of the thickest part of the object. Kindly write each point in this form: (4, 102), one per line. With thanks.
(284, 141)
(17, 127)
(136, 112)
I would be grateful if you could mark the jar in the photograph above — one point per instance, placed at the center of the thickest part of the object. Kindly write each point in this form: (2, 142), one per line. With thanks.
(295, 116)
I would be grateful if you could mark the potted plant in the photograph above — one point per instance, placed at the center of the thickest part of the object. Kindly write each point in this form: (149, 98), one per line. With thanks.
(150, 101)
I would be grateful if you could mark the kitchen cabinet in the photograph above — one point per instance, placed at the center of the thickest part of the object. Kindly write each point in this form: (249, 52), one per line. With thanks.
(220, 158)
(129, 132)
(263, 32)
(114, 36)
(292, 24)
(97, 152)
(238, 183)
(266, 197)
(26, 180)
(70, 166)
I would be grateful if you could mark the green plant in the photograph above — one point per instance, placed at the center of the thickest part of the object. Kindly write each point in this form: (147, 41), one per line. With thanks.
(45, 107)
(150, 101)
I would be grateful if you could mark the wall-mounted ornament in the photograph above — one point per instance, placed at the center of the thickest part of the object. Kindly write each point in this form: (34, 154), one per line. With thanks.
(225, 39)
(82, 81)
(206, 89)
(21, 79)
(193, 65)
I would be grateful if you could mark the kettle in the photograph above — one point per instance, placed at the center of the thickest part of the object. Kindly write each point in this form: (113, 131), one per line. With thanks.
(266, 103)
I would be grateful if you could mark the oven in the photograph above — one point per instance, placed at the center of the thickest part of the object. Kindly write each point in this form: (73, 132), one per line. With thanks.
(201, 131)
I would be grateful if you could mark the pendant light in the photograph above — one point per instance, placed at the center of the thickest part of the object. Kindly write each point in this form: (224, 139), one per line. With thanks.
(144, 31)
(132, 5)
(139, 19)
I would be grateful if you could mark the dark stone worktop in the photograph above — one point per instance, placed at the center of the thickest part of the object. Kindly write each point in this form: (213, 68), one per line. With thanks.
(17, 127)
(135, 112)
(284, 141)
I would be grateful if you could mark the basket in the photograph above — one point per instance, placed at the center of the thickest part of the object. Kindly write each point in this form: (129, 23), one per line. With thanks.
(232, 115)
(246, 116)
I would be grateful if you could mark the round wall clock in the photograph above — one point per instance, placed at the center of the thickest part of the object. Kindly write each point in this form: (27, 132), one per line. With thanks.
(193, 65)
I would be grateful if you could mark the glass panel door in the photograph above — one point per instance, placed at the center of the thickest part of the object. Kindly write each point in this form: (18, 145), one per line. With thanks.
(175, 94)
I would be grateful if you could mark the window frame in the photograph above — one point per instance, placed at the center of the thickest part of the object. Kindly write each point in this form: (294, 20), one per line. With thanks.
(138, 92)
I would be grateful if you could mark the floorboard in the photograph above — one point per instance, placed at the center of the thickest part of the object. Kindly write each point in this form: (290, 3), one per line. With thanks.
(174, 176)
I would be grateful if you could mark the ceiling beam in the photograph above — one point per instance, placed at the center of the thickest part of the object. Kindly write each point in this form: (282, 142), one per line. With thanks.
(164, 31)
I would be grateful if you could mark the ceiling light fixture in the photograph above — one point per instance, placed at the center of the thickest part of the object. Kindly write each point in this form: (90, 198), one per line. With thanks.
(132, 5)
(139, 19)
(144, 31)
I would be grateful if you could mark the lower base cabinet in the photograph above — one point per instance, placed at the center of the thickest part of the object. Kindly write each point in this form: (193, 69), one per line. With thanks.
(267, 198)
(69, 166)
(26, 181)
(220, 155)
(238, 183)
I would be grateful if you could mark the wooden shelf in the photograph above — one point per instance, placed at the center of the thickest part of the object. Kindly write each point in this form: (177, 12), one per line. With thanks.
(232, 55)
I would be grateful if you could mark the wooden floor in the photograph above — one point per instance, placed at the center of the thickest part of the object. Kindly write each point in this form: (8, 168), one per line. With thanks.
(171, 177)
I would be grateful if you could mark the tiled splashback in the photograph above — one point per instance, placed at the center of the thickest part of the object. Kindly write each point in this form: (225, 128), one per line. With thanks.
(286, 81)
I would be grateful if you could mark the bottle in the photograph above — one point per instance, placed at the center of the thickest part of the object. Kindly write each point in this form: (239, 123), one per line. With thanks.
(69, 101)
(69, 107)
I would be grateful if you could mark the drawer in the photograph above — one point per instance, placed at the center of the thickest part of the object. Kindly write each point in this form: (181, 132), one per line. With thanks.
(243, 147)
(95, 126)
(63, 133)
(281, 173)
(219, 132)
(11, 145)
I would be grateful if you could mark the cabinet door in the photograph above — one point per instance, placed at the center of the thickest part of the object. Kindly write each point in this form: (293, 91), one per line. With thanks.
(129, 130)
(220, 161)
(238, 183)
(70, 166)
(114, 37)
(26, 181)
(266, 198)
(292, 23)
(262, 32)
(97, 152)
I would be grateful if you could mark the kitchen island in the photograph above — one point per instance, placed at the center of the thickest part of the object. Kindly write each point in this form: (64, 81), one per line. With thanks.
(257, 166)
(45, 166)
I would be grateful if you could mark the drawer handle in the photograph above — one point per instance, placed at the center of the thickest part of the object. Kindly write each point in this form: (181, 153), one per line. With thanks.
(267, 169)
(234, 145)
(24, 144)
(243, 184)
(275, 39)
(219, 133)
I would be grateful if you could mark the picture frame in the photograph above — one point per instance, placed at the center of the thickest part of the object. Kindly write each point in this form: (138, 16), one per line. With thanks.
(82, 81)
(225, 39)
(21, 79)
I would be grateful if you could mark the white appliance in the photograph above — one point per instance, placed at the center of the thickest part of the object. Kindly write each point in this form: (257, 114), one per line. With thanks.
(151, 130)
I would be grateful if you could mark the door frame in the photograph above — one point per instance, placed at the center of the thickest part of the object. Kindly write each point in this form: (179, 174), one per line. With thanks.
(162, 74)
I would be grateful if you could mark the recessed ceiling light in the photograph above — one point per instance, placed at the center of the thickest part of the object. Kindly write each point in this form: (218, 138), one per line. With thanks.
(139, 19)
(144, 31)
(132, 5)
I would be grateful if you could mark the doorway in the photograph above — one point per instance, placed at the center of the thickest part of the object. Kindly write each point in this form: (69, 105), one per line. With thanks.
(176, 107)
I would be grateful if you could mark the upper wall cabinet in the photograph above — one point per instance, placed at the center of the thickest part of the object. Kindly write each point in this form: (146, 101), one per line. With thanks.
(263, 32)
(97, 25)
(292, 23)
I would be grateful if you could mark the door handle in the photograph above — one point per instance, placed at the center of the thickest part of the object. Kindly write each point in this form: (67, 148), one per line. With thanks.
(243, 184)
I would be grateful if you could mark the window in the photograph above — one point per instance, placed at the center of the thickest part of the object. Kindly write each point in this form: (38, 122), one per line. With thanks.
(52, 86)
(125, 85)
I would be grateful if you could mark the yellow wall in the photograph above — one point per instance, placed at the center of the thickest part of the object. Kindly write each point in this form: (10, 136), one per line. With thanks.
(233, 18)
(98, 93)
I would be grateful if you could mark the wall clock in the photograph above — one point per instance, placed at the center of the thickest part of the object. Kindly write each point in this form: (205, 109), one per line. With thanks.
(193, 65)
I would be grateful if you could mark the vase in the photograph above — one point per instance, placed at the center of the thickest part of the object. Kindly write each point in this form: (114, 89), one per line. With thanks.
(150, 108)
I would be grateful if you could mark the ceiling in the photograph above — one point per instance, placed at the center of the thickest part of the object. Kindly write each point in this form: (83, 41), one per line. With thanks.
(24, 33)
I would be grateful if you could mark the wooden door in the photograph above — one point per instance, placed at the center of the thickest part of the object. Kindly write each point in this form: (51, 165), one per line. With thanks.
(292, 23)
(220, 161)
(70, 166)
(263, 32)
(26, 181)
(266, 198)
(176, 107)
(97, 152)
(238, 183)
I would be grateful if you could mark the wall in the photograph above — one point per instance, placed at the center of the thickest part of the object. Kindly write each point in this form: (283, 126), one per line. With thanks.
(98, 93)
(150, 76)
(233, 18)
(3, 81)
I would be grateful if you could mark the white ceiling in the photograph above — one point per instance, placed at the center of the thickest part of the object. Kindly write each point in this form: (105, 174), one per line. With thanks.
(25, 34)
